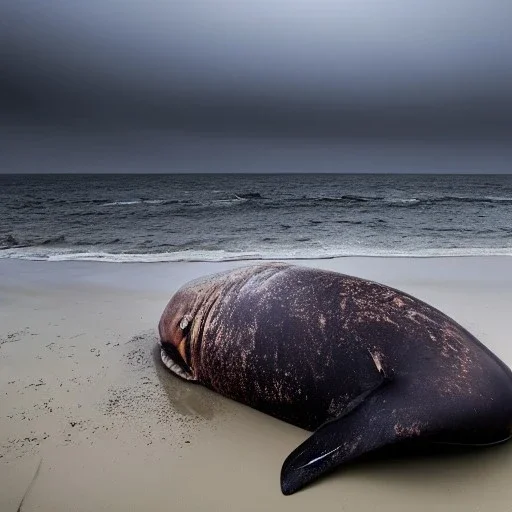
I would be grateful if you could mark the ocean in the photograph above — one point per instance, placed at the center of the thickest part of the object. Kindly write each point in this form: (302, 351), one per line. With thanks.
(147, 218)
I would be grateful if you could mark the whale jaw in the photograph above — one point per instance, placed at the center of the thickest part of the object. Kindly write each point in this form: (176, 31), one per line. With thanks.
(172, 365)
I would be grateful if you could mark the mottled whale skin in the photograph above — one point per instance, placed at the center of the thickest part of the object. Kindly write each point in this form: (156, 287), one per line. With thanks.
(360, 363)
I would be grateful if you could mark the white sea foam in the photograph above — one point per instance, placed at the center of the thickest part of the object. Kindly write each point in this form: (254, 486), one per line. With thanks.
(59, 254)
(139, 201)
(228, 202)
(121, 203)
(499, 199)
(411, 200)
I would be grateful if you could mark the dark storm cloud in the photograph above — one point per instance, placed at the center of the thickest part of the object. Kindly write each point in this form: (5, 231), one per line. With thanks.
(323, 68)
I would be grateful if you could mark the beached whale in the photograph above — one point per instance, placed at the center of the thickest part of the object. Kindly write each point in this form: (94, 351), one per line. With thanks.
(362, 364)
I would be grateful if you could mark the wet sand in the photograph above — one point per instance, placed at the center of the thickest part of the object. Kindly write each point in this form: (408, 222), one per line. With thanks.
(84, 395)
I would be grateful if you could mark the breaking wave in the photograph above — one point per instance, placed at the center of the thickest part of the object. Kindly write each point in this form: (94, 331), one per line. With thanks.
(54, 254)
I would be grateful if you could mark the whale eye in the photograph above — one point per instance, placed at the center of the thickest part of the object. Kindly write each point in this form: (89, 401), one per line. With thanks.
(185, 321)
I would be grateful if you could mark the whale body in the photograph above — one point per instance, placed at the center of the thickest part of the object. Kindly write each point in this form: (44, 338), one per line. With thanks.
(359, 363)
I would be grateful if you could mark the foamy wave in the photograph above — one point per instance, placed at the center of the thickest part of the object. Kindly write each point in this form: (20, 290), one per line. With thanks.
(469, 199)
(399, 201)
(55, 254)
(43, 254)
(140, 201)
(499, 199)
(121, 203)
(226, 202)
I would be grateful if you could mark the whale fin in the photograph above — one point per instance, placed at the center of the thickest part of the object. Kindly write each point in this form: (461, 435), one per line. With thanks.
(367, 424)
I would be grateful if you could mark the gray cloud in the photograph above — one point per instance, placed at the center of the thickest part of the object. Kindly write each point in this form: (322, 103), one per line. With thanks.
(419, 74)
(300, 48)
(47, 151)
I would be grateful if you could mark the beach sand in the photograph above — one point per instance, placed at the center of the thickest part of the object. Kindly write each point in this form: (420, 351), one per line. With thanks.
(84, 395)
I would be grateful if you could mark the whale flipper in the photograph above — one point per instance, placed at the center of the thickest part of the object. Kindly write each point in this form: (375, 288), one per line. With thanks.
(371, 424)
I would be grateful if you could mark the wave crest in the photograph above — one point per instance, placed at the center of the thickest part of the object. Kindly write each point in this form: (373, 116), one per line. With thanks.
(54, 254)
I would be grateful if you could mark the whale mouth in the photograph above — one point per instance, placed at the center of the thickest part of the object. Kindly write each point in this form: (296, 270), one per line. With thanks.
(174, 362)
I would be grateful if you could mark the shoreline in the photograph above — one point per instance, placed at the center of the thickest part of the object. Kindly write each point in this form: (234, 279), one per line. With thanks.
(84, 391)
(166, 257)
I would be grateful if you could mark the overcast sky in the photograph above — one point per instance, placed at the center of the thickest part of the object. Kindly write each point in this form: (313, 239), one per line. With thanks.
(266, 86)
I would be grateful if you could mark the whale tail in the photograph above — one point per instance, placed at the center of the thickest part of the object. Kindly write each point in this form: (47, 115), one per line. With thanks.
(390, 414)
